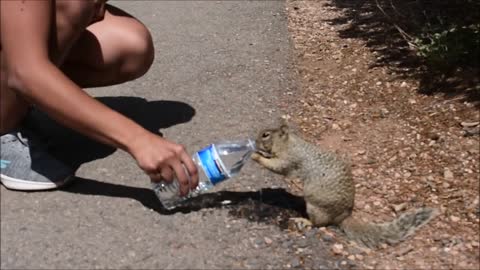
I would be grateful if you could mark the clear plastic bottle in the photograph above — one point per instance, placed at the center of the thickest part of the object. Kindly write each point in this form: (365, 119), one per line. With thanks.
(216, 163)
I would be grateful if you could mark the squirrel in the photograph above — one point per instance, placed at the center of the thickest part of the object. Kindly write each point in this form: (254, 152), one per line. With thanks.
(328, 188)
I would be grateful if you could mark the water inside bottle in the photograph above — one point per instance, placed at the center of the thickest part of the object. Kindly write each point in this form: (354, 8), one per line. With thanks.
(234, 155)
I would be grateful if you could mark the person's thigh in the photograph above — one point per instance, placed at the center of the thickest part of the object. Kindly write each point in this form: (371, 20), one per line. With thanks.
(69, 20)
(116, 49)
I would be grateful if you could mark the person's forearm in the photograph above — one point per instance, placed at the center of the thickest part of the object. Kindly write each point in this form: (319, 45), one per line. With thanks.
(48, 88)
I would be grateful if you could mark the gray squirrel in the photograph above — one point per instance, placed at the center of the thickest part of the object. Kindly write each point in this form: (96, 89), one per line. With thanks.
(328, 188)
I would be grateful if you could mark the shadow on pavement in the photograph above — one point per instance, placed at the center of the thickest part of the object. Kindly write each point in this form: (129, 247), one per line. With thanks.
(75, 149)
(272, 206)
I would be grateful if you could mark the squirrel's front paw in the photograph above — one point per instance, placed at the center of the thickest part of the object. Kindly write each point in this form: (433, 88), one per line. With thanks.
(256, 157)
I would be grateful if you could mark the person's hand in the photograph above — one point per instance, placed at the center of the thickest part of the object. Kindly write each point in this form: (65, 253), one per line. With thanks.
(165, 160)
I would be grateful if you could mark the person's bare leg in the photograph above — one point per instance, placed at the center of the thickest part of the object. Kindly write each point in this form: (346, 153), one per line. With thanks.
(71, 18)
(114, 50)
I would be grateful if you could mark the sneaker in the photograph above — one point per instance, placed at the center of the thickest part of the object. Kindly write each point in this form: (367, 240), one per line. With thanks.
(26, 165)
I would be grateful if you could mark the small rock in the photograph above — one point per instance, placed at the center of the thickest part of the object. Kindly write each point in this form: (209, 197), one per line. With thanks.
(399, 207)
(470, 124)
(337, 249)
(311, 233)
(447, 174)
(358, 172)
(403, 84)
(335, 126)
(359, 257)
(327, 238)
(287, 244)
(404, 251)
(351, 257)
(295, 263)
(454, 219)
(259, 243)
(268, 241)
(361, 152)
(302, 243)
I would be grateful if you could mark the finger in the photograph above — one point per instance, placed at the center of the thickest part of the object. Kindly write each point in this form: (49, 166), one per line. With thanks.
(166, 174)
(182, 178)
(192, 170)
(155, 177)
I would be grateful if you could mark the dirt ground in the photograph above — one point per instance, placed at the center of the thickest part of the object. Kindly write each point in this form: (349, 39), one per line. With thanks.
(408, 149)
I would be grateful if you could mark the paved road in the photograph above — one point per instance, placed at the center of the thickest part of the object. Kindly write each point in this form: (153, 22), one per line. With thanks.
(219, 70)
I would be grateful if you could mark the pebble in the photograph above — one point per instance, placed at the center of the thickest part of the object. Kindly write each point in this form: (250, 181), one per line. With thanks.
(337, 248)
(258, 243)
(268, 241)
(310, 233)
(302, 243)
(399, 207)
(295, 263)
(447, 174)
(361, 152)
(287, 244)
(327, 238)
(359, 257)
(454, 218)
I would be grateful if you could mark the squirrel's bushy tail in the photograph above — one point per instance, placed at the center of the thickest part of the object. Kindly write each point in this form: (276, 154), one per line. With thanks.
(371, 235)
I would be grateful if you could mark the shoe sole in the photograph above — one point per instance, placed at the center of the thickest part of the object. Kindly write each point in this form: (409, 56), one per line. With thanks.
(17, 184)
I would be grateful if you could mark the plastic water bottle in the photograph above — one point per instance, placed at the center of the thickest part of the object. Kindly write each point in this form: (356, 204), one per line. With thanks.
(216, 163)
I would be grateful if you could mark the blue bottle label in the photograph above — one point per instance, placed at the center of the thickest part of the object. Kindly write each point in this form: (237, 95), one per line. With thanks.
(211, 164)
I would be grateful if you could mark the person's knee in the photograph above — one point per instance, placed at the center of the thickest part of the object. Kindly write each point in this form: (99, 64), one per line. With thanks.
(139, 52)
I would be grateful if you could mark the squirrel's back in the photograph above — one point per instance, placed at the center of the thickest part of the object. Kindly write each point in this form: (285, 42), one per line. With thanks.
(327, 178)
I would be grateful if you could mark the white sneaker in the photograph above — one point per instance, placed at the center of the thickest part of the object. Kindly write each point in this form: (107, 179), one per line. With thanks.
(26, 165)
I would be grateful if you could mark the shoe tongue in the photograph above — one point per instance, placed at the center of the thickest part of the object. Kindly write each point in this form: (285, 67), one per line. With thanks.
(9, 137)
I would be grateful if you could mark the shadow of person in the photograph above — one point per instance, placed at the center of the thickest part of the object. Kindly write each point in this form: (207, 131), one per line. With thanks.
(75, 149)
(268, 205)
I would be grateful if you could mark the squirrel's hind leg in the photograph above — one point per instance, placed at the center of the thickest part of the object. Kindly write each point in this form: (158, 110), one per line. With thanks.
(318, 215)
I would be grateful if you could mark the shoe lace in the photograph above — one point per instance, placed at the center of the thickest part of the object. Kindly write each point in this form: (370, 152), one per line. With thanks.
(29, 139)
(21, 138)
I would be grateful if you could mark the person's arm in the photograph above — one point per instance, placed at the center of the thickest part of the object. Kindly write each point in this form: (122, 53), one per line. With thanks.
(25, 27)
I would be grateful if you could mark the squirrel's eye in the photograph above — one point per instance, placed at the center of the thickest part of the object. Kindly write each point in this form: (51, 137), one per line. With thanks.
(265, 135)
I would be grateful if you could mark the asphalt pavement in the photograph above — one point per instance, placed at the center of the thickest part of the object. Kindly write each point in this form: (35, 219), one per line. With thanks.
(219, 71)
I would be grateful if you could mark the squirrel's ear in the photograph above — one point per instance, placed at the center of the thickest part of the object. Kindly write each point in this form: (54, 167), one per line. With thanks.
(284, 128)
